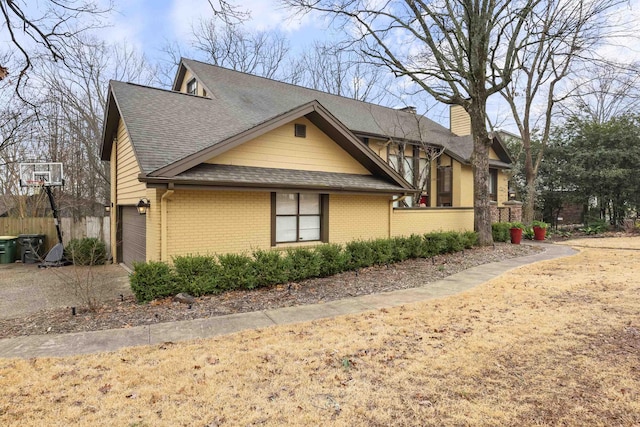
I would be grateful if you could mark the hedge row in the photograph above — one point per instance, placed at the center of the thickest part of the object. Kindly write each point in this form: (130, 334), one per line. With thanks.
(200, 274)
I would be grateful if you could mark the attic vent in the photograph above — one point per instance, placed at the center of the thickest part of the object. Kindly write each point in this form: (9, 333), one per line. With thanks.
(300, 130)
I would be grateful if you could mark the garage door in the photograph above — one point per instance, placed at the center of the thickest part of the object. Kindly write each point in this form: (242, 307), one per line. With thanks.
(134, 236)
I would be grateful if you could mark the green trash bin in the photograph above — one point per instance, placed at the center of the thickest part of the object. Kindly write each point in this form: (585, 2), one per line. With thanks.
(8, 245)
(31, 248)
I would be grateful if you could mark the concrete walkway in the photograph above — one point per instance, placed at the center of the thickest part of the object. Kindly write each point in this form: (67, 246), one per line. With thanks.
(110, 340)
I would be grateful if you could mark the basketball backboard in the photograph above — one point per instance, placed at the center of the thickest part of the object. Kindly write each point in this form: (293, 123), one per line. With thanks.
(41, 174)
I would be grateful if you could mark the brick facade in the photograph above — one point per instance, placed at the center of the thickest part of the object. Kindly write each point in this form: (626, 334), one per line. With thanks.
(510, 211)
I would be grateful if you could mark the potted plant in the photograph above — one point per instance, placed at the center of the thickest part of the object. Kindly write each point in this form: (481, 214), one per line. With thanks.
(516, 232)
(539, 230)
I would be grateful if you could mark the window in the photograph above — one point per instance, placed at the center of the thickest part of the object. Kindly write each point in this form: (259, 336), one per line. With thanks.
(445, 182)
(414, 172)
(300, 130)
(192, 87)
(298, 217)
(493, 184)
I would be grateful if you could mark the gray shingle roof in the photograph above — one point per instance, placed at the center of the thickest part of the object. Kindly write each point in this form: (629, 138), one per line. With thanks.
(278, 178)
(167, 126)
(258, 98)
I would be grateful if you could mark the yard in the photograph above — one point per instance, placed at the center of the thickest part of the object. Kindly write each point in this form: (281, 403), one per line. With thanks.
(556, 343)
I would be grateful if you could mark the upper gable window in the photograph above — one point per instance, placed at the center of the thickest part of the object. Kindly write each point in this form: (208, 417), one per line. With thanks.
(192, 87)
(300, 130)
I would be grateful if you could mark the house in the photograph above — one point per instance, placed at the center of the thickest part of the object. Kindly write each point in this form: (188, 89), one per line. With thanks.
(230, 162)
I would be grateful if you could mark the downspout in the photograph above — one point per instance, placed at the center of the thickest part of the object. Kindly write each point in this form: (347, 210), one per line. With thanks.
(399, 199)
(164, 201)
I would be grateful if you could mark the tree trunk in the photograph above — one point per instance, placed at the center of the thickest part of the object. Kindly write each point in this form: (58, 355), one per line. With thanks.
(480, 165)
(529, 207)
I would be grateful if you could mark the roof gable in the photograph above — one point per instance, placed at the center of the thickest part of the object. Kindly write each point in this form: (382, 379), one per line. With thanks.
(316, 114)
(281, 148)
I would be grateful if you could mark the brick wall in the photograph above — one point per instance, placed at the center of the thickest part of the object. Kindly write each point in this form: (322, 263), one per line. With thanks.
(511, 211)
(419, 221)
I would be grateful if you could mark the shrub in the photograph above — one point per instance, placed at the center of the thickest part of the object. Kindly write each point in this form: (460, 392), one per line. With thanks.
(469, 239)
(453, 242)
(401, 248)
(500, 231)
(197, 274)
(332, 259)
(528, 233)
(86, 251)
(151, 280)
(304, 263)
(236, 272)
(359, 254)
(382, 251)
(415, 246)
(541, 224)
(271, 268)
(435, 244)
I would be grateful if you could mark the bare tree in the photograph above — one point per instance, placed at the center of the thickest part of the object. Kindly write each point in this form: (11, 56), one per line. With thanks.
(336, 69)
(231, 46)
(570, 31)
(459, 51)
(610, 90)
(45, 31)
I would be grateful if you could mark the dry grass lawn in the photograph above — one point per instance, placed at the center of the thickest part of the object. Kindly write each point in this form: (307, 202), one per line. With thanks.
(556, 343)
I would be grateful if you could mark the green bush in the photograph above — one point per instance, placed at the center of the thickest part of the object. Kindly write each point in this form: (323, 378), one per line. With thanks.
(469, 239)
(197, 274)
(359, 254)
(401, 248)
(500, 231)
(151, 280)
(271, 268)
(382, 251)
(236, 272)
(528, 233)
(453, 242)
(435, 244)
(86, 251)
(304, 263)
(332, 259)
(200, 275)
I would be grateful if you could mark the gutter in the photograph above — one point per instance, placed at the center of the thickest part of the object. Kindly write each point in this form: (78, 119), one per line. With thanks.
(164, 200)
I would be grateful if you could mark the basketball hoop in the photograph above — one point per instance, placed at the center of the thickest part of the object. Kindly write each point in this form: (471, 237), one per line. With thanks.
(35, 184)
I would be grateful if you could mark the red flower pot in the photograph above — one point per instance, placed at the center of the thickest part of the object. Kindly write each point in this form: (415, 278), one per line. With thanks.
(539, 233)
(516, 235)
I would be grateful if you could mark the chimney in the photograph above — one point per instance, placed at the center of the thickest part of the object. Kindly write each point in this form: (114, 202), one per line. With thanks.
(408, 109)
(459, 120)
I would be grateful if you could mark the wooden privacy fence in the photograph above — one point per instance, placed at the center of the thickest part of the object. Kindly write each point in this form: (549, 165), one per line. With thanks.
(90, 226)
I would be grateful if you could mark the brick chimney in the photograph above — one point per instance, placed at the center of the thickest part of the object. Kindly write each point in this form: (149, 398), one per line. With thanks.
(459, 121)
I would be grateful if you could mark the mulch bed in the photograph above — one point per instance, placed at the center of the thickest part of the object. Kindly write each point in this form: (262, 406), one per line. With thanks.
(127, 313)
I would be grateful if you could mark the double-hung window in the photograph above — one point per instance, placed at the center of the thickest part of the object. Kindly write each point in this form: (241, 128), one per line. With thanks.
(298, 217)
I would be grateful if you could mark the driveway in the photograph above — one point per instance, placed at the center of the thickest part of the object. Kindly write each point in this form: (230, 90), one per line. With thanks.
(25, 288)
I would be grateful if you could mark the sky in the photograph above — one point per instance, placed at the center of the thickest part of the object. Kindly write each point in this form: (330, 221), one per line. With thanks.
(149, 24)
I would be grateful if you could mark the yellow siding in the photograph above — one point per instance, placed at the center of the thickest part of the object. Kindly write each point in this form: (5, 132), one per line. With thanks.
(358, 217)
(379, 147)
(465, 189)
(217, 222)
(459, 121)
(129, 189)
(279, 148)
(493, 155)
(153, 223)
(418, 221)
(113, 199)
